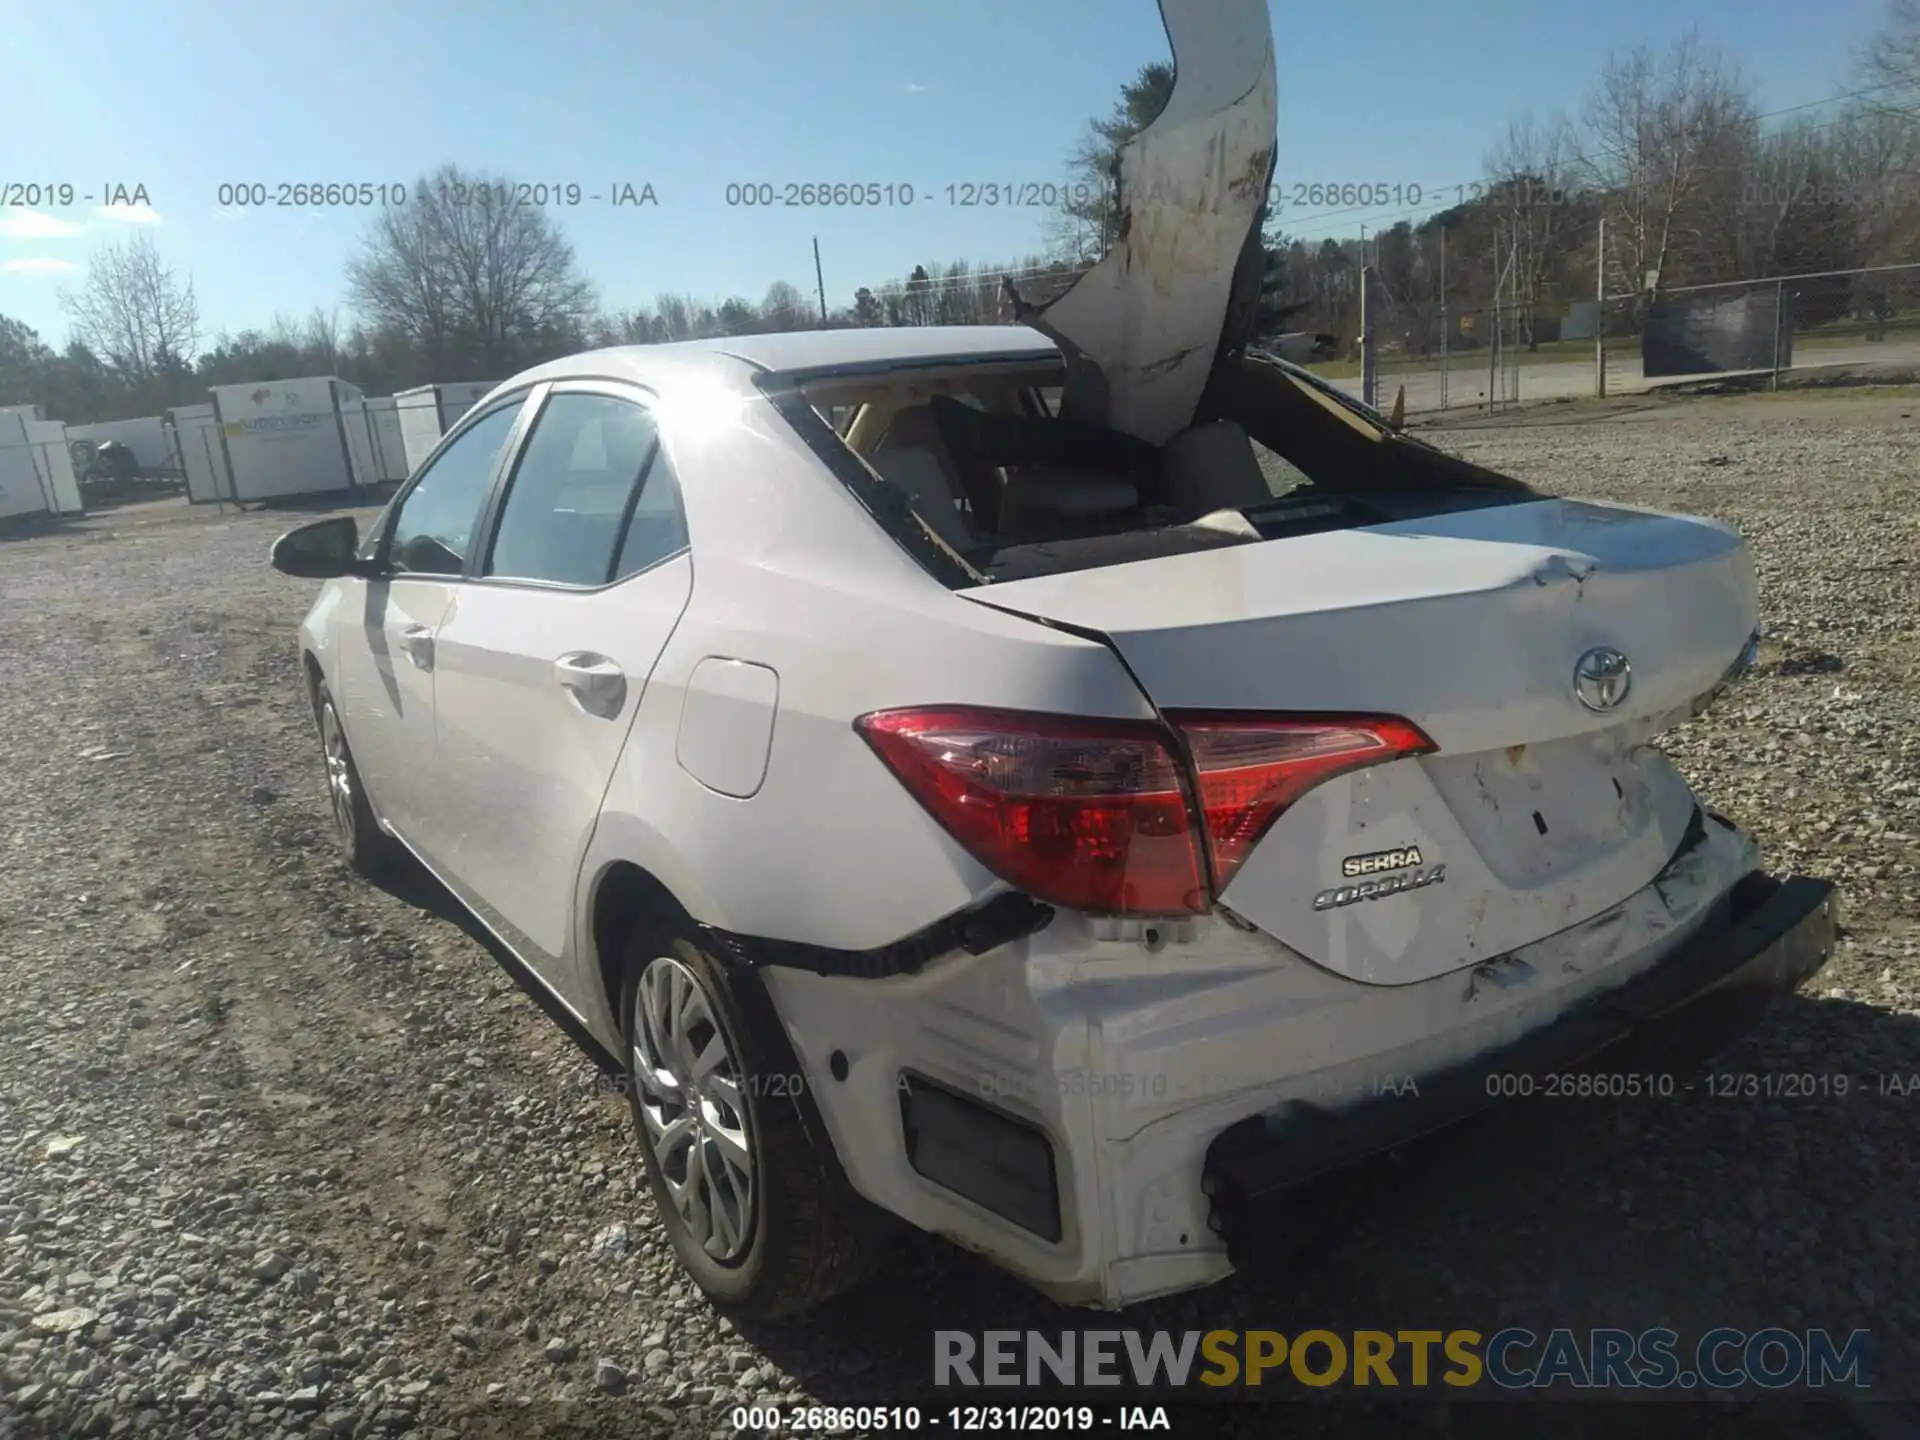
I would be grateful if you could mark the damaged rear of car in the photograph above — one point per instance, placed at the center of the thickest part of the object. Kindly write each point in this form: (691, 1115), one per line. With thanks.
(1399, 826)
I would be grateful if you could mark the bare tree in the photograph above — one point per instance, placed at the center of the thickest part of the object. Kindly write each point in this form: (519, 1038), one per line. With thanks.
(1664, 129)
(285, 330)
(1876, 152)
(320, 337)
(1890, 61)
(1531, 181)
(676, 317)
(1807, 201)
(1874, 156)
(136, 313)
(785, 308)
(473, 278)
(918, 304)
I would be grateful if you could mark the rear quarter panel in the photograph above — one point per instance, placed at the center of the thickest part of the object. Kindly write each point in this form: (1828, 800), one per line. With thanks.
(791, 573)
(830, 850)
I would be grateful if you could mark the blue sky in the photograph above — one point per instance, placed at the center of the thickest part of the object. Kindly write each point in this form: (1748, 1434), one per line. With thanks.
(691, 96)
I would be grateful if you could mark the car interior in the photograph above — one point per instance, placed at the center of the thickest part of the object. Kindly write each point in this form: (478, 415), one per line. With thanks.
(566, 509)
(582, 502)
(990, 467)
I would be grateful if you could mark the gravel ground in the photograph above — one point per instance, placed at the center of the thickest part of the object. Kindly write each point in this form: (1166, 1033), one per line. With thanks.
(282, 1153)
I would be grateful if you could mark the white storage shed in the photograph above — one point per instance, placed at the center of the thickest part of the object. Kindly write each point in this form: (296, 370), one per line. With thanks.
(196, 435)
(293, 437)
(29, 412)
(389, 444)
(21, 489)
(48, 441)
(357, 427)
(428, 411)
(36, 473)
(145, 437)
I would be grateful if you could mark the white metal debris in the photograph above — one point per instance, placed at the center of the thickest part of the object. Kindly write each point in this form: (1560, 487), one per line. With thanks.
(1149, 315)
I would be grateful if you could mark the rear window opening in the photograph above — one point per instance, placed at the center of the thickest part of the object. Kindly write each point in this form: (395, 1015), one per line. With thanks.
(980, 456)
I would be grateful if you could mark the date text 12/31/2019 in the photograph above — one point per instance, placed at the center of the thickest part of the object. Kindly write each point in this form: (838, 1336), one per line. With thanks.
(1376, 194)
(902, 194)
(961, 1419)
(394, 194)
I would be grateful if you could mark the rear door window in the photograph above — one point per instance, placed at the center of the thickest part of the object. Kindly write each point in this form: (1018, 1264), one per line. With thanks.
(568, 506)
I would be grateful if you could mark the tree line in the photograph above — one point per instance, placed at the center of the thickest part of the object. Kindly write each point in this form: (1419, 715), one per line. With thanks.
(439, 292)
(1670, 149)
(1668, 176)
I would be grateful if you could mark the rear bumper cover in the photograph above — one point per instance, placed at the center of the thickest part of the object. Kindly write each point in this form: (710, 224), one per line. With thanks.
(1670, 1018)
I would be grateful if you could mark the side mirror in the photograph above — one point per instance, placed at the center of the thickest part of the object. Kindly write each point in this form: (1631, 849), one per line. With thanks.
(323, 550)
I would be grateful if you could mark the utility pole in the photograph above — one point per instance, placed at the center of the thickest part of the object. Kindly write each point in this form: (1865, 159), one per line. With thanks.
(1367, 391)
(1510, 370)
(1493, 335)
(819, 280)
(1600, 315)
(1779, 314)
(1446, 323)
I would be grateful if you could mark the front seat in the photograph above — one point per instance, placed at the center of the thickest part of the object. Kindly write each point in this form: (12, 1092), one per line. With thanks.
(910, 456)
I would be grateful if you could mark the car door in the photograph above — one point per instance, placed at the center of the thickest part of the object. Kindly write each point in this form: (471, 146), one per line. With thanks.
(384, 675)
(542, 659)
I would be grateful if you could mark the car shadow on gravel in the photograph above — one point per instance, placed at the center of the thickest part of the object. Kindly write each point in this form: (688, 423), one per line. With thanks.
(318, 505)
(411, 883)
(1554, 1185)
(37, 527)
(326, 502)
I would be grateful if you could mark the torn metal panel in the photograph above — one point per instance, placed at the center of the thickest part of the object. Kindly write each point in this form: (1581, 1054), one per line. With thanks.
(1142, 328)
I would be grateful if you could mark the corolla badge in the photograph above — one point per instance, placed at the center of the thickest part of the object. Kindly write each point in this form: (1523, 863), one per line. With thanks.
(1601, 678)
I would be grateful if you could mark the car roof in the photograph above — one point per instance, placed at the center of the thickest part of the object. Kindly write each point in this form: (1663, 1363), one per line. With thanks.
(817, 349)
(798, 351)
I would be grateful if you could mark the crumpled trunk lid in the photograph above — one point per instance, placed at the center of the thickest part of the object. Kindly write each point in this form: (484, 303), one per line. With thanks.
(1142, 328)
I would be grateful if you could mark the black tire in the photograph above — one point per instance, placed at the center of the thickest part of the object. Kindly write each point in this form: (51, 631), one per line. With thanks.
(367, 849)
(809, 1237)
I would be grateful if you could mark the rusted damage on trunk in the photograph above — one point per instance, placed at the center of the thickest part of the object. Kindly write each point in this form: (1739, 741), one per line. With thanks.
(1143, 329)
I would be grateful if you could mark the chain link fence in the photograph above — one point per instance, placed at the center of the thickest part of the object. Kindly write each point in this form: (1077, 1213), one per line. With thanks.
(1784, 324)
(1419, 355)
(1424, 355)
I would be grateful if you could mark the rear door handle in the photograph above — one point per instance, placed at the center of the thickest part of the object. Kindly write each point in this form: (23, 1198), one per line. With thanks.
(599, 685)
(417, 640)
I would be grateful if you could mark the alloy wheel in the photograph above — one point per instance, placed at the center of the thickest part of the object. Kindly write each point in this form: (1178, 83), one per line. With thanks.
(688, 1086)
(333, 744)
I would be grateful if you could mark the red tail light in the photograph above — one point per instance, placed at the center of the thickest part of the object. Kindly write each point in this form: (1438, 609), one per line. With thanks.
(1099, 815)
(1252, 767)
(1090, 814)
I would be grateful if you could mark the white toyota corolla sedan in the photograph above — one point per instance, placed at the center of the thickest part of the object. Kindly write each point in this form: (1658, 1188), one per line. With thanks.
(1062, 842)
